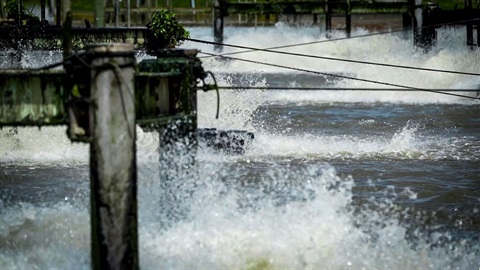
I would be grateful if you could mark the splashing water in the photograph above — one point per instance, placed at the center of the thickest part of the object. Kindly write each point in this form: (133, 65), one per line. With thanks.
(303, 196)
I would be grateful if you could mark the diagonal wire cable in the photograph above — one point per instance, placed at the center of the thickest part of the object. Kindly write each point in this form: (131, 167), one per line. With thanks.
(336, 59)
(305, 43)
(347, 77)
(331, 40)
(271, 50)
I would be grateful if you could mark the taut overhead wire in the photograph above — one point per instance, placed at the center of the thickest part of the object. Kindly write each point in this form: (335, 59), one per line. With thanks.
(246, 87)
(347, 77)
(336, 59)
(331, 40)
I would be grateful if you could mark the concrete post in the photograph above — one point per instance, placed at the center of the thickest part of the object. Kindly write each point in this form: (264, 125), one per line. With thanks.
(218, 22)
(117, 11)
(149, 7)
(328, 18)
(113, 176)
(67, 35)
(99, 13)
(128, 14)
(42, 10)
(19, 13)
(417, 22)
(469, 8)
(2, 13)
(407, 24)
(170, 97)
(58, 13)
(478, 32)
(348, 19)
(66, 6)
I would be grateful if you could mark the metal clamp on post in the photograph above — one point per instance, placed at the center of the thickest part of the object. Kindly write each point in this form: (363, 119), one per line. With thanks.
(78, 83)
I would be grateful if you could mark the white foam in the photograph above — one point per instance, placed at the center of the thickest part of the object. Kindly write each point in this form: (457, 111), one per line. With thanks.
(451, 53)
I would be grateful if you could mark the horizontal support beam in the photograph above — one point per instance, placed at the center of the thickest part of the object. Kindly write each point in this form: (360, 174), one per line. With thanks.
(48, 37)
(312, 7)
(41, 98)
(34, 98)
(152, 10)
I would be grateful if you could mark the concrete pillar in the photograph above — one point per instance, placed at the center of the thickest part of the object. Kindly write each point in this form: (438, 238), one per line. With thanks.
(469, 9)
(67, 35)
(219, 7)
(58, 12)
(171, 99)
(117, 11)
(407, 24)
(149, 7)
(66, 6)
(478, 32)
(99, 13)
(19, 13)
(424, 33)
(128, 14)
(348, 19)
(328, 18)
(113, 174)
(2, 11)
(418, 14)
(42, 10)
(419, 25)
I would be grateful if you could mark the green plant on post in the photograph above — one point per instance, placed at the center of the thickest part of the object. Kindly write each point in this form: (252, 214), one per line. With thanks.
(165, 32)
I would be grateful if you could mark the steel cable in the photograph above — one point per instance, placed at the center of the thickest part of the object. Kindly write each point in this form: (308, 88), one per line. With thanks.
(347, 77)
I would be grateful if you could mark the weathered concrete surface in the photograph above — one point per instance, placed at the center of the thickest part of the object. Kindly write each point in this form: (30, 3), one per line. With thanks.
(32, 98)
(113, 173)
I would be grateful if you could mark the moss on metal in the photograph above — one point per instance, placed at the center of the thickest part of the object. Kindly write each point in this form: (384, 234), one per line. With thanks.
(32, 98)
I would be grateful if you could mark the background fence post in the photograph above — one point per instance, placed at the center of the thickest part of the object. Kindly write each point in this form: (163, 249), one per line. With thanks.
(219, 7)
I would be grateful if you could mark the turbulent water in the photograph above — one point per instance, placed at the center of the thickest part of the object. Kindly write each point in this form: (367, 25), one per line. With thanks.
(333, 179)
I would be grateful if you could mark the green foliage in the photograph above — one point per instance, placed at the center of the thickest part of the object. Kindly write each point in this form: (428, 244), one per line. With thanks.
(11, 9)
(165, 31)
